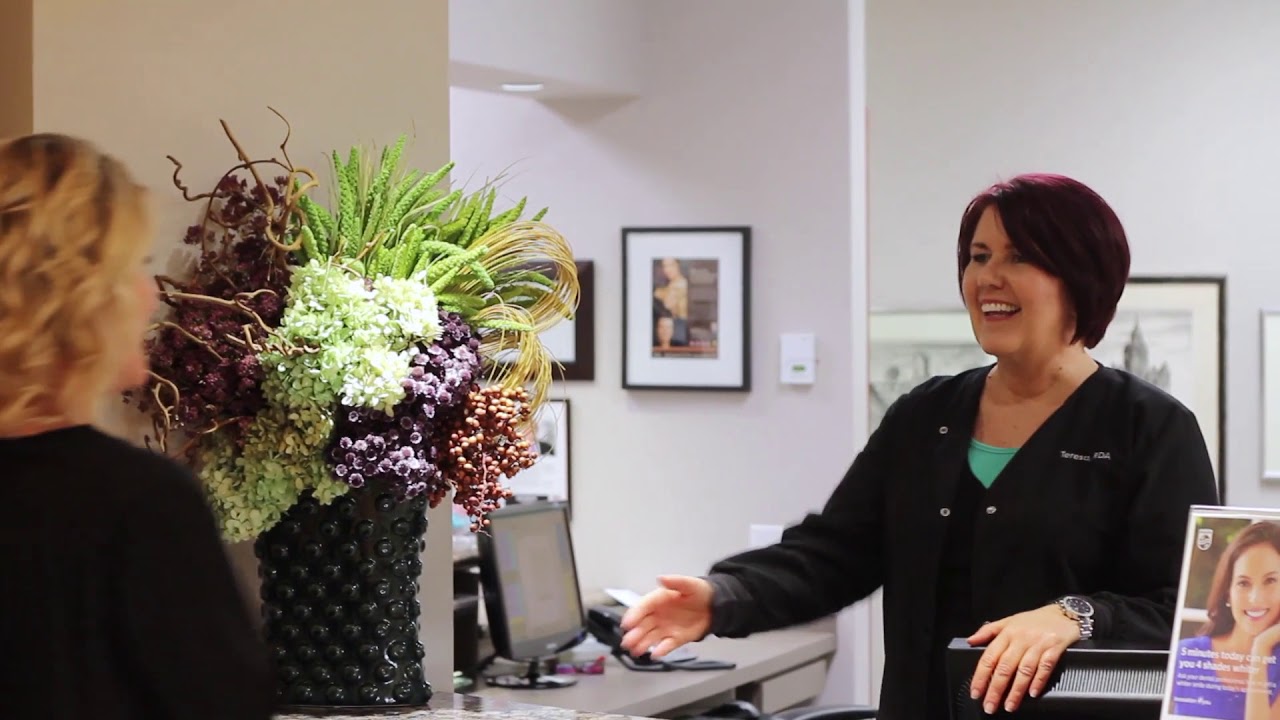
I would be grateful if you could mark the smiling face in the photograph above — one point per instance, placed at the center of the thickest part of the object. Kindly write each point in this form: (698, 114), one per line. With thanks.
(1255, 589)
(1016, 308)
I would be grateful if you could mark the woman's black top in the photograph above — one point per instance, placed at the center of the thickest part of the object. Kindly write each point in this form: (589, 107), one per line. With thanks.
(1095, 503)
(118, 600)
(953, 616)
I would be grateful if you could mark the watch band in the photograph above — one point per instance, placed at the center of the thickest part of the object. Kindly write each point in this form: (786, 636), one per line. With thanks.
(1086, 627)
(1085, 621)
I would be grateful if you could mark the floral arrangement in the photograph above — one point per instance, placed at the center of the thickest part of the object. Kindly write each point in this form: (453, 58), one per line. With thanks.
(390, 337)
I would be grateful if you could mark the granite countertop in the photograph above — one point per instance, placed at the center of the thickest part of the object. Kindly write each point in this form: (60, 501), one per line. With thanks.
(451, 706)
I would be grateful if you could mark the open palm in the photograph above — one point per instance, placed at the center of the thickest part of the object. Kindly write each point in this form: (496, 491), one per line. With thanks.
(675, 613)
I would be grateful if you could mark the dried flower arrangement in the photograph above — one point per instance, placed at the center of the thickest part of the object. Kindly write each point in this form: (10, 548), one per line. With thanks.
(315, 349)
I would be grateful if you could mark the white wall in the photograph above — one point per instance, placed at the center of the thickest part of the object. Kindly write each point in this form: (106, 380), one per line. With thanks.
(573, 47)
(145, 79)
(746, 120)
(1167, 107)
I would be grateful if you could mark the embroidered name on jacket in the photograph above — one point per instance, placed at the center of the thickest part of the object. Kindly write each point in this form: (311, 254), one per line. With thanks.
(1100, 455)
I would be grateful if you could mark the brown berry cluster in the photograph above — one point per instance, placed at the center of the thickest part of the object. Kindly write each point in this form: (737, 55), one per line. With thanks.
(485, 446)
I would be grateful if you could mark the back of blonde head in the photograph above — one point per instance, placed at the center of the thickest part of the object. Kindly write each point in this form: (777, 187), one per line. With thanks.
(72, 234)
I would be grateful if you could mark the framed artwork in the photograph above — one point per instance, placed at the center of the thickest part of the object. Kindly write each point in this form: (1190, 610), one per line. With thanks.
(572, 342)
(1170, 331)
(1167, 330)
(908, 347)
(1271, 395)
(550, 478)
(686, 314)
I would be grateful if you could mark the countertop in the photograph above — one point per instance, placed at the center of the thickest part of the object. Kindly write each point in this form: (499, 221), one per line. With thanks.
(451, 706)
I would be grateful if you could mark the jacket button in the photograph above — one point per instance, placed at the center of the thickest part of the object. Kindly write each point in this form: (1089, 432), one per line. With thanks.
(991, 509)
(944, 512)
(942, 430)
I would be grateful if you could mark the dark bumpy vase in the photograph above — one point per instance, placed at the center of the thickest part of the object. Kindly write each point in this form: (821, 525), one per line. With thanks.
(339, 600)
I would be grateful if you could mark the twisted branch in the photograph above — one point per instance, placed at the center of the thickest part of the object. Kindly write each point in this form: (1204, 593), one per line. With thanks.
(277, 222)
(191, 443)
(192, 338)
(166, 410)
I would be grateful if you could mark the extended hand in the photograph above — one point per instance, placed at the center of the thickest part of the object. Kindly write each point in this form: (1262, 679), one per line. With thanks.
(676, 613)
(1022, 651)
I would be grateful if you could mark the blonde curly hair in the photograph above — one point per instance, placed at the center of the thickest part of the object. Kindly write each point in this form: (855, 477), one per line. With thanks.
(73, 234)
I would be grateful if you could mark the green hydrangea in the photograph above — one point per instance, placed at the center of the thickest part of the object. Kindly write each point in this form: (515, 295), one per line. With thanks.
(361, 336)
(282, 454)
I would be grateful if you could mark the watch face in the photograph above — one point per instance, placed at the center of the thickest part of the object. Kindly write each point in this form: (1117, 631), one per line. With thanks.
(1078, 605)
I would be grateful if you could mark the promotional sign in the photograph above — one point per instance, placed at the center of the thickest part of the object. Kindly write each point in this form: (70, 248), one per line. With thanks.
(1223, 661)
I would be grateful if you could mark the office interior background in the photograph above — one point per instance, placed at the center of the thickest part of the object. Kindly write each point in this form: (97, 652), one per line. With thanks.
(847, 135)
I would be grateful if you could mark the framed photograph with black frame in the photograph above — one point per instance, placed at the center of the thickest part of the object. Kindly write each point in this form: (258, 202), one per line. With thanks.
(572, 343)
(686, 311)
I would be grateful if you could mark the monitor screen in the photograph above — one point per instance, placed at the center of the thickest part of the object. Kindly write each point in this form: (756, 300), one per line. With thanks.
(532, 598)
(1123, 682)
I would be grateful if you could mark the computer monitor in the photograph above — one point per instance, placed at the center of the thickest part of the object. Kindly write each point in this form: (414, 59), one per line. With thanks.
(1102, 682)
(531, 593)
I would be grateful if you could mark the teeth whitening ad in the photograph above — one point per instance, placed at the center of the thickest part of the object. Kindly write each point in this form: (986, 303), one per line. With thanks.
(1223, 658)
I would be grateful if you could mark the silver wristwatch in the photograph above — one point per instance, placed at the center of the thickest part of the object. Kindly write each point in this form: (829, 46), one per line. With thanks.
(1080, 610)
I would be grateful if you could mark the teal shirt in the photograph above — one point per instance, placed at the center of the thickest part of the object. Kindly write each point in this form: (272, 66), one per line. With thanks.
(986, 461)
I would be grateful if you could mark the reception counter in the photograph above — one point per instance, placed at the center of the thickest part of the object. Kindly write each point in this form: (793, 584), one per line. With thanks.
(449, 706)
(773, 670)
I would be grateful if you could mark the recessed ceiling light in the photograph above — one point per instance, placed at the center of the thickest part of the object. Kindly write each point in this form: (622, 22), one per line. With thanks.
(522, 86)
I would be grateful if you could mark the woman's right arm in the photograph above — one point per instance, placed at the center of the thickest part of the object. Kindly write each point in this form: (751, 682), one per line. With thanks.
(827, 562)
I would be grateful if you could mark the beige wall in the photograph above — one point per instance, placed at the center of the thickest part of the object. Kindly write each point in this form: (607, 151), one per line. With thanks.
(15, 67)
(148, 79)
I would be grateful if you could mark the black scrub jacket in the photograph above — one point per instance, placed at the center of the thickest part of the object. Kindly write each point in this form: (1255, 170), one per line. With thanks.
(1095, 504)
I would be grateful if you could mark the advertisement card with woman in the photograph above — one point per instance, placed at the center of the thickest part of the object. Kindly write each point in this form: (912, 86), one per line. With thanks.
(1223, 661)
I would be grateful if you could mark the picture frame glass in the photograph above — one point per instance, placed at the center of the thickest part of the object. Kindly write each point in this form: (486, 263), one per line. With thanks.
(560, 340)
(549, 477)
(570, 342)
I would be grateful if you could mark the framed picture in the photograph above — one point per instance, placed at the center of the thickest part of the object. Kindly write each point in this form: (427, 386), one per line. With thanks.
(1271, 395)
(1167, 330)
(572, 342)
(550, 478)
(686, 315)
(908, 347)
(1170, 331)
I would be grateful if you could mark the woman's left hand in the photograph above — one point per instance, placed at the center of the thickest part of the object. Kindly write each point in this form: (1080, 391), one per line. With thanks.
(1022, 651)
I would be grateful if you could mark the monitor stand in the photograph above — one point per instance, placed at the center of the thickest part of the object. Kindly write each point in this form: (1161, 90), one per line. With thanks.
(533, 679)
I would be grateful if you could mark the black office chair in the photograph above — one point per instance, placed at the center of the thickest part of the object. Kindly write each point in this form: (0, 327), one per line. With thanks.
(828, 712)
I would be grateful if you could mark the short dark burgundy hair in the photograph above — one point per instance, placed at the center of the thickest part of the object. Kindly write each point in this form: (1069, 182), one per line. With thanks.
(1066, 229)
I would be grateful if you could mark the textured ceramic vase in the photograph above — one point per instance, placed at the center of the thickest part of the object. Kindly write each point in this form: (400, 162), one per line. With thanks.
(339, 600)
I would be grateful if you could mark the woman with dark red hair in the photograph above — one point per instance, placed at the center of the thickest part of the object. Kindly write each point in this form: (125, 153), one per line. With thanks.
(1023, 506)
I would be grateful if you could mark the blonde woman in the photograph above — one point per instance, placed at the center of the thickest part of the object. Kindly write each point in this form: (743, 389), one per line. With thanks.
(117, 598)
